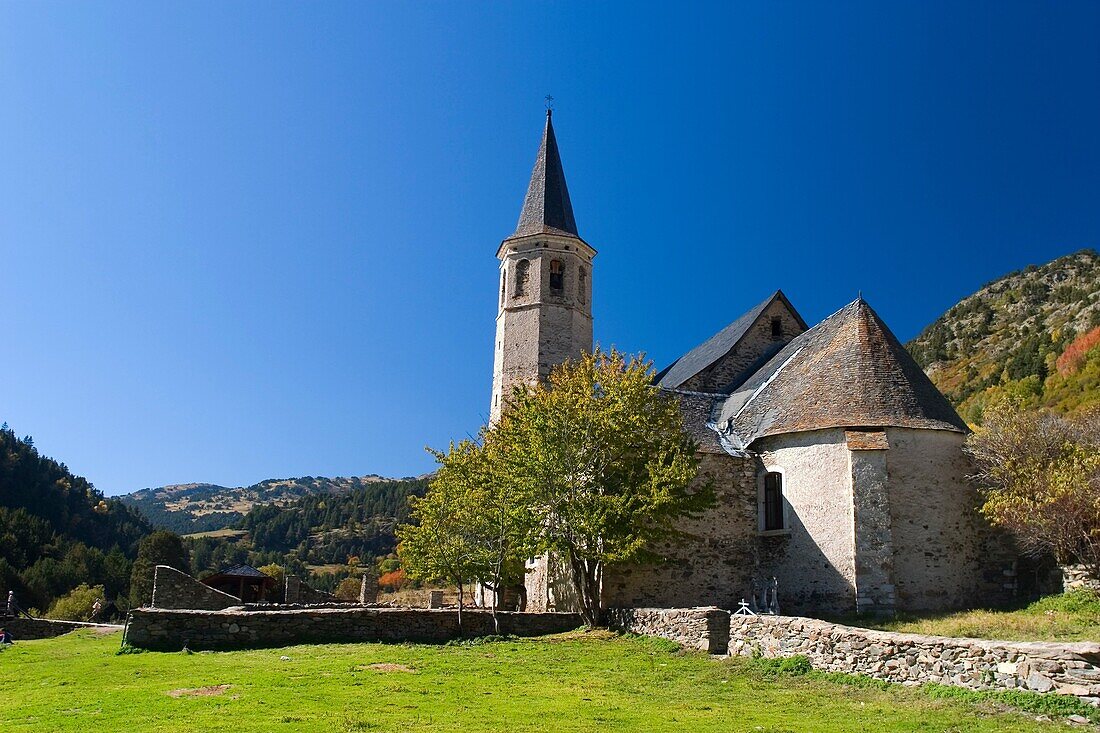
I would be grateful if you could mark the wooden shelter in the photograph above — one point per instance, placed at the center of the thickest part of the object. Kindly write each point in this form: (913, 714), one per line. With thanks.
(244, 582)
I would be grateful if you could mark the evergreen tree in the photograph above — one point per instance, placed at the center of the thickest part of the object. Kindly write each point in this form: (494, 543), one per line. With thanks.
(159, 548)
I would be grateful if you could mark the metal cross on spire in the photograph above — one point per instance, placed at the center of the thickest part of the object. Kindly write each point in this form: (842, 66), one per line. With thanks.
(549, 103)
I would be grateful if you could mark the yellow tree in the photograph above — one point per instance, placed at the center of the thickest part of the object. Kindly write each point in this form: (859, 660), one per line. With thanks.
(1039, 474)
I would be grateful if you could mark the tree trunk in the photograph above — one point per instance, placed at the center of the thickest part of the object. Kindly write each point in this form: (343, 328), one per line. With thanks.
(586, 583)
(498, 595)
(460, 608)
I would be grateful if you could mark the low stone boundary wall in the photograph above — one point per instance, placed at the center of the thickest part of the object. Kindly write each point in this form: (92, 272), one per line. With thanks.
(171, 630)
(978, 664)
(705, 628)
(175, 589)
(46, 628)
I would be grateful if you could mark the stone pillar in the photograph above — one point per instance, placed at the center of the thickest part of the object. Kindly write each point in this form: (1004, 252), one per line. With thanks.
(874, 545)
(293, 589)
(435, 599)
(368, 588)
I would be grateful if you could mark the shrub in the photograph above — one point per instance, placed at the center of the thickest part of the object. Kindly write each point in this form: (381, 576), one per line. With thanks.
(393, 581)
(76, 605)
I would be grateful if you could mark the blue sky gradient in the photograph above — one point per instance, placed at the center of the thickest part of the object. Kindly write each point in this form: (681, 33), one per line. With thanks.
(252, 240)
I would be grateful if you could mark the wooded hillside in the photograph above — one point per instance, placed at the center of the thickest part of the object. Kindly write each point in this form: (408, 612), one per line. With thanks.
(1033, 335)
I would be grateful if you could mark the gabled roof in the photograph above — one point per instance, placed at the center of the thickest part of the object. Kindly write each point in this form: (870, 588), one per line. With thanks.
(546, 208)
(847, 371)
(718, 345)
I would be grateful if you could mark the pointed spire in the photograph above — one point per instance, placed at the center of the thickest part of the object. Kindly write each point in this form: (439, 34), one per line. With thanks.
(546, 208)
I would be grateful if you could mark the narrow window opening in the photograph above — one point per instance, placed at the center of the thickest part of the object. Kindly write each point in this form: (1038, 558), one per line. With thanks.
(503, 284)
(557, 275)
(523, 273)
(777, 328)
(582, 284)
(773, 501)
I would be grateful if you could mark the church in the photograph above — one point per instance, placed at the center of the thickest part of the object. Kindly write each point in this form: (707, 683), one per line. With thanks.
(838, 467)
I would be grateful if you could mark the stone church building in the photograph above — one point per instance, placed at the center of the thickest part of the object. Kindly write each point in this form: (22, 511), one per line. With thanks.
(836, 463)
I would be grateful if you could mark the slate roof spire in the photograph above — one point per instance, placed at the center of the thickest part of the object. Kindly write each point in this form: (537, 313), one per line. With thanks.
(546, 208)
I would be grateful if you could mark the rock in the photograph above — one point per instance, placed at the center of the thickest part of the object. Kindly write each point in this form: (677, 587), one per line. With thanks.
(1040, 682)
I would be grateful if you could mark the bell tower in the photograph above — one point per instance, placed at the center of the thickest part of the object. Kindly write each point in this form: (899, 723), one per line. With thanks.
(544, 313)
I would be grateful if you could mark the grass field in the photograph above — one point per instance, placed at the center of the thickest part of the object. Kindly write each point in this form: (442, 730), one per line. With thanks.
(573, 682)
(1071, 616)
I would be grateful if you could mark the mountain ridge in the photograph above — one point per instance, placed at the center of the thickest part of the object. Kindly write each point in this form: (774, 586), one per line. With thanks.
(202, 507)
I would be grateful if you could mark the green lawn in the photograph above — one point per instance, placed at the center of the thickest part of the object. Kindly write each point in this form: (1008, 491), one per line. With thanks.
(574, 682)
(1073, 616)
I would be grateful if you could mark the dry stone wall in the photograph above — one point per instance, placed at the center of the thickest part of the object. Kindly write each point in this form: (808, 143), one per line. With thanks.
(978, 664)
(298, 592)
(44, 628)
(173, 589)
(1078, 576)
(169, 630)
(706, 629)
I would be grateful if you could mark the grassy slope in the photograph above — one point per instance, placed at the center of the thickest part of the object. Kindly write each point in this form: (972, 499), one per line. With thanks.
(1071, 617)
(577, 683)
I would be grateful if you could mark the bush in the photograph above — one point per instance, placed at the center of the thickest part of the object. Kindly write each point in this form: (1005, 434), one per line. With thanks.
(348, 589)
(393, 581)
(76, 605)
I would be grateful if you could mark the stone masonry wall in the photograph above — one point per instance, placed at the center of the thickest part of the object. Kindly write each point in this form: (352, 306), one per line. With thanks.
(754, 349)
(171, 630)
(44, 628)
(813, 561)
(713, 564)
(978, 664)
(706, 629)
(173, 589)
(298, 592)
(1078, 576)
(945, 553)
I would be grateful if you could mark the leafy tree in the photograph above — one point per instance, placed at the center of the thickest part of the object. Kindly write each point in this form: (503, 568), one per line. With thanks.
(500, 525)
(348, 589)
(439, 547)
(279, 573)
(605, 463)
(1040, 476)
(159, 548)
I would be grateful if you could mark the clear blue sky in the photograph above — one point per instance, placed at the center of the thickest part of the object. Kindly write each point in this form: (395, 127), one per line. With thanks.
(251, 240)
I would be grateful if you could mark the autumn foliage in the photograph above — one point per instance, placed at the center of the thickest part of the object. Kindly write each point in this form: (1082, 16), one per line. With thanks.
(393, 581)
(1074, 356)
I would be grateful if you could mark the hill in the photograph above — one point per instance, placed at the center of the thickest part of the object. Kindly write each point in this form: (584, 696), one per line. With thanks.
(1033, 335)
(321, 531)
(57, 530)
(192, 508)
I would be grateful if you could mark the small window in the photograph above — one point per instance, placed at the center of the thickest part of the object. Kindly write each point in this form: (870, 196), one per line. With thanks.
(582, 284)
(523, 272)
(557, 275)
(503, 284)
(777, 328)
(773, 501)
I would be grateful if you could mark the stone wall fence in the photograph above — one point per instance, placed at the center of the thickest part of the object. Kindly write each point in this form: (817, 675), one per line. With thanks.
(22, 628)
(910, 659)
(175, 589)
(706, 628)
(172, 630)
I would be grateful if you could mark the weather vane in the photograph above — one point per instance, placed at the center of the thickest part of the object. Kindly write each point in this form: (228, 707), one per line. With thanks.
(549, 102)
